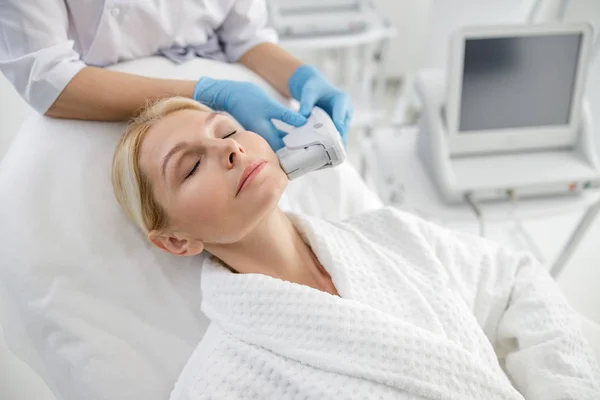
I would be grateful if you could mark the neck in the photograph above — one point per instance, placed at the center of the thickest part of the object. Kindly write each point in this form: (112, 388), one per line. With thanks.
(275, 248)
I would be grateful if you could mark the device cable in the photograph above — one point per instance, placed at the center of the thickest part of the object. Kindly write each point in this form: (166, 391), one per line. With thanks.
(520, 229)
(477, 211)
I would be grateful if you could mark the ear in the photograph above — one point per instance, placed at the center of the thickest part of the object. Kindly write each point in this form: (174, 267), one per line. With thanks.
(174, 244)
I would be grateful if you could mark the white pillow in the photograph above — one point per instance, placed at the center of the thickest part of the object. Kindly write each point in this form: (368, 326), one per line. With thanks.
(107, 315)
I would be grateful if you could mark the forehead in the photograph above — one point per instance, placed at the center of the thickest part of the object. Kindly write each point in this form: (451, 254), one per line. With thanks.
(164, 134)
(173, 128)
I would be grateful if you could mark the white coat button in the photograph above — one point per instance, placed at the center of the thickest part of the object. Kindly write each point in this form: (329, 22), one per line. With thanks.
(115, 12)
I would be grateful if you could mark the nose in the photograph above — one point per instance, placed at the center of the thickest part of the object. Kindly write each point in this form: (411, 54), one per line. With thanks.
(229, 152)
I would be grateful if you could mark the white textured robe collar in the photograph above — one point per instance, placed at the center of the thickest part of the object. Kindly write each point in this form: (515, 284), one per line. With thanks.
(353, 335)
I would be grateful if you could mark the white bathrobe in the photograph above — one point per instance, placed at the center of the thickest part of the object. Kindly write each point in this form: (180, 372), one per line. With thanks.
(424, 313)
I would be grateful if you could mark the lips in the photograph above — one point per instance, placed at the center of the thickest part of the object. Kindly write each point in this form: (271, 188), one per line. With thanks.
(249, 173)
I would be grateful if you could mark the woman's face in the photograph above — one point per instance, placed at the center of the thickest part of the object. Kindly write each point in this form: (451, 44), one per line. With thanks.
(215, 180)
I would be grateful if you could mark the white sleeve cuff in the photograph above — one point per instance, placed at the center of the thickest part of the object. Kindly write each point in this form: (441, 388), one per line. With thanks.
(41, 76)
(234, 51)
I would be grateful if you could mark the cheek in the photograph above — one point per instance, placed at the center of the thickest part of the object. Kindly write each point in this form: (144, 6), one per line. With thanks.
(200, 207)
(268, 190)
(256, 146)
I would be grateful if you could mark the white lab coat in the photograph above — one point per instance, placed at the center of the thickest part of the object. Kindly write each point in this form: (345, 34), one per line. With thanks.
(45, 43)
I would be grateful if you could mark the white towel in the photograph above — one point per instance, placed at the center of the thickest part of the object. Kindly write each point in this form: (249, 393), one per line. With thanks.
(423, 314)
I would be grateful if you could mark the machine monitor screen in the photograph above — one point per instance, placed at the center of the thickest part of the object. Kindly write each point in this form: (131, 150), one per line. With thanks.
(518, 82)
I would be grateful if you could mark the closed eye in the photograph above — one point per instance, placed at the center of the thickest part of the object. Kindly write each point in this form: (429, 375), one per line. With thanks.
(193, 170)
(195, 167)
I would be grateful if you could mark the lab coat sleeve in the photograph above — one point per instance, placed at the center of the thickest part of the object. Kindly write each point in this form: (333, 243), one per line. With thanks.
(35, 53)
(245, 26)
(535, 333)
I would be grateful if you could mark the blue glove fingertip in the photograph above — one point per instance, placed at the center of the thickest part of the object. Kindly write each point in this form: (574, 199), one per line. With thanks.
(276, 143)
(308, 99)
(342, 130)
(305, 110)
(293, 118)
(298, 79)
(274, 137)
(346, 122)
(339, 124)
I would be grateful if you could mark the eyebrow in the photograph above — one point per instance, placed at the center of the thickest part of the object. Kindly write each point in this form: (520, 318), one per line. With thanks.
(181, 145)
(178, 147)
(211, 116)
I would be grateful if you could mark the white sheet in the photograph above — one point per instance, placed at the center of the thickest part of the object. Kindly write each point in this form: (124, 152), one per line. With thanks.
(96, 311)
(422, 313)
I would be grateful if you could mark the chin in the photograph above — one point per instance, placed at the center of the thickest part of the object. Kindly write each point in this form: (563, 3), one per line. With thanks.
(264, 201)
(262, 197)
(270, 191)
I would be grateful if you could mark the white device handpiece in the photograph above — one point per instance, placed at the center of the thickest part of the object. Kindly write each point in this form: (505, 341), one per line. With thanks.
(312, 146)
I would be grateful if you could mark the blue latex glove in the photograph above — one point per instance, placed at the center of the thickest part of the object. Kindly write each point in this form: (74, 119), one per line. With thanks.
(310, 88)
(250, 105)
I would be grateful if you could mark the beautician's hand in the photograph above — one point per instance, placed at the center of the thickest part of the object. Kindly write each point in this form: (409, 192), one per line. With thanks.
(310, 88)
(250, 105)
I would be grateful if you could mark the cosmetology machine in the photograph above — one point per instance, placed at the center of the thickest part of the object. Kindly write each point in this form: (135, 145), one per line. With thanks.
(293, 18)
(313, 146)
(509, 117)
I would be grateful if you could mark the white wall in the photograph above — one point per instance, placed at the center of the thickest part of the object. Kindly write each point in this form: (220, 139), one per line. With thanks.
(410, 17)
(424, 27)
(589, 10)
(447, 16)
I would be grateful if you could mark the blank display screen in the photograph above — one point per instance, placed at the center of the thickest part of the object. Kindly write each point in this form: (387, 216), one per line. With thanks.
(518, 81)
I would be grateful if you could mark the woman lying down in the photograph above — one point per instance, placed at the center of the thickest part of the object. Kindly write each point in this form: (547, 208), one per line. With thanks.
(381, 306)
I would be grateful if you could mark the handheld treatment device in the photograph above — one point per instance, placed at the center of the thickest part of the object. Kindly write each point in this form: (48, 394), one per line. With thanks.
(312, 146)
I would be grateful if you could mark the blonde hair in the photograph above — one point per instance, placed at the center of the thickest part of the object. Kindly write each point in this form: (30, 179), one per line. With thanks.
(131, 186)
